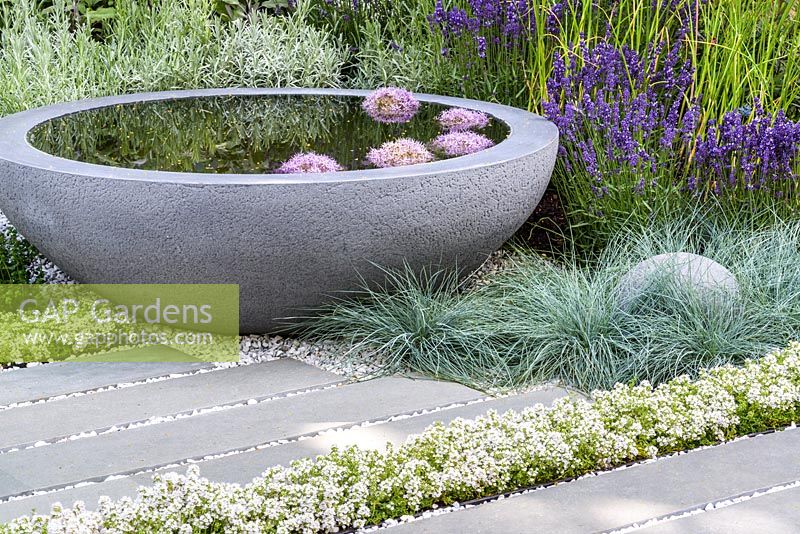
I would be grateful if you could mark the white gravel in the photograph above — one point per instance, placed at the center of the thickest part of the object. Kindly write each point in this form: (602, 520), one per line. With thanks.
(52, 274)
(327, 355)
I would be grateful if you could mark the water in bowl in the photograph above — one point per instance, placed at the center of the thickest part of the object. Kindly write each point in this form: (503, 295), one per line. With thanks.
(232, 134)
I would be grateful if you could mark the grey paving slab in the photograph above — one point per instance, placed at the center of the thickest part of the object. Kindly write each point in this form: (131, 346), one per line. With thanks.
(41, 504)
(242, 468)
(776, 513)
(636, 494)
(43, 381)
(208, 434)
(99, 411)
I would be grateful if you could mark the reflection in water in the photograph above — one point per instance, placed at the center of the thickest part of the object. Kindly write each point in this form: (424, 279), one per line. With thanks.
(231, 134)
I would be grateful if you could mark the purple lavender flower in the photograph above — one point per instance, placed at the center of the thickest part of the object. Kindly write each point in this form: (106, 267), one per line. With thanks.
(509, 21)
(309, 162)
(460, 119)
(391, 105)
(630, 120)
(554, 18)
(481, 46)
(622, 115)
(461, 143)
(398, 153)
(756, 152)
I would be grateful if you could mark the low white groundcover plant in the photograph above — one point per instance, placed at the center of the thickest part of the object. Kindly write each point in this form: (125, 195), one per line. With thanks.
(463, 460)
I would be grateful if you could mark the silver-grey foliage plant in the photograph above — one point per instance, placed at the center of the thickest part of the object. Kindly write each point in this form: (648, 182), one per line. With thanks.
(159, 45)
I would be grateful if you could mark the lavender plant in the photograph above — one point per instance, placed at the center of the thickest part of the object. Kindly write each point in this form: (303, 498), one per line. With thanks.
(504, 47)
(750, 156)
(632, 143)
(494, 44)
(625, 120)
(742, 49)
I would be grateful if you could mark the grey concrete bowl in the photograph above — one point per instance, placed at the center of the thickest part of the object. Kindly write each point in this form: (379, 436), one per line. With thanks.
(289, 241)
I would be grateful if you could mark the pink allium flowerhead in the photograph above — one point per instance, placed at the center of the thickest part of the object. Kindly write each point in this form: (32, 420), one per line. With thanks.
(461, 143)
(398, 153)
(310, 162)
(460, 119)
(391, 105)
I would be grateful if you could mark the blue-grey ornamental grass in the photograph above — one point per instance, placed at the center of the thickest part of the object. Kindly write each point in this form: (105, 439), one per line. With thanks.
(542, 320)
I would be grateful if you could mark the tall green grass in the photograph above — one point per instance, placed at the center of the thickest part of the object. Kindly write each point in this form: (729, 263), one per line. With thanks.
(746, 49)
(542, 320)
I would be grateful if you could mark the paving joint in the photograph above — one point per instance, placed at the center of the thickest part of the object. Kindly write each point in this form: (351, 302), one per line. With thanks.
(703, 508)
(236, 451)
(113, 387)
(161, 419)
(473, 503)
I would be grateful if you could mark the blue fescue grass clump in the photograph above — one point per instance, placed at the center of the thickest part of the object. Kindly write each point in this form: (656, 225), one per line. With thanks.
(421, 321)
(543, 320)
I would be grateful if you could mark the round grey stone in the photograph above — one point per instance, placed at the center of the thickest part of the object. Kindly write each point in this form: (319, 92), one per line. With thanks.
(697, 273)
(289, 241)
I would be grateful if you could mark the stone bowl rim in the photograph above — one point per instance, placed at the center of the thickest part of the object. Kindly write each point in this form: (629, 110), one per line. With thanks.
(528, 134)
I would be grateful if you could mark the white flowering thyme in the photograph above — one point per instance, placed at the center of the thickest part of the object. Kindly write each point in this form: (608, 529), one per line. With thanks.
(464, 460)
